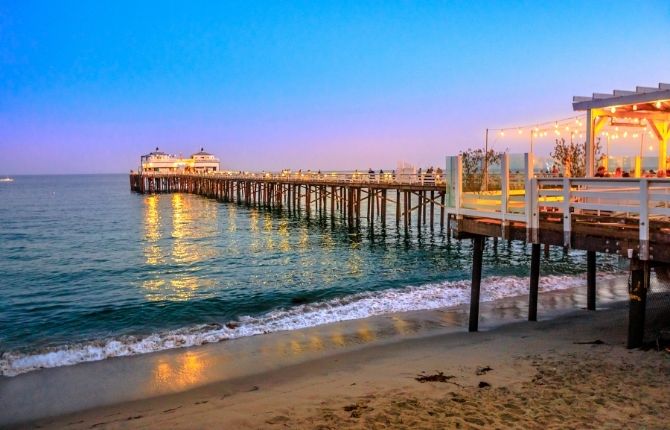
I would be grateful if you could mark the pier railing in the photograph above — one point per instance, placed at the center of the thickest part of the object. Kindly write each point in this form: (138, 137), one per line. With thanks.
(631, 203)
(344, 177)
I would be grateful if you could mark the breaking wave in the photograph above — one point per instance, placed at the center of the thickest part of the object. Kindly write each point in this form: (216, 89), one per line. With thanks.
(355, 306)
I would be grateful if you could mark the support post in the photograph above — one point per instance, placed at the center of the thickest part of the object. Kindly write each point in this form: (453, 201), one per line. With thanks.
(637, 293)
(534, 281)
(591, 280)
(477, 253)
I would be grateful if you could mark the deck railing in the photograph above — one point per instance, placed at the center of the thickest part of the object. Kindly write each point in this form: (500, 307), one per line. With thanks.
(634, 199)
(345, 177)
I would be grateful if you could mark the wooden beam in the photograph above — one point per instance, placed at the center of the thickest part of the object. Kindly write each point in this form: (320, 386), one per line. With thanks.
(637, 302)
(534, 281)
(591, 280)
(477, 254)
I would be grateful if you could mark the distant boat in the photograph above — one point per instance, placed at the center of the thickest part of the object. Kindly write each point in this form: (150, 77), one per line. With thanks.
(7, 179)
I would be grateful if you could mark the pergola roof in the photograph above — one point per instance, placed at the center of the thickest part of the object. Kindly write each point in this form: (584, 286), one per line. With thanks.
(641, 95)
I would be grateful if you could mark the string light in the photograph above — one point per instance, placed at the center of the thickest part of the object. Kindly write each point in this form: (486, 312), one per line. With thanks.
(613, 109)
(542, 129)
(658, 104)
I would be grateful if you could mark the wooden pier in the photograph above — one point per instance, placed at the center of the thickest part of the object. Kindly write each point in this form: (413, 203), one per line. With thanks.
(629, 217)
(349, 196)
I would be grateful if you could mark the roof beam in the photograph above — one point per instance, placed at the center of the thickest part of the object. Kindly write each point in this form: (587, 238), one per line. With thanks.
(640, 96)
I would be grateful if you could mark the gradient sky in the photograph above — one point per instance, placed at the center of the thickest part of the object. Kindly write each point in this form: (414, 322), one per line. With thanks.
(89, 86)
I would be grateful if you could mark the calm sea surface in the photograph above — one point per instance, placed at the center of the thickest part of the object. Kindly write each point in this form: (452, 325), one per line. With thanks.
(90, 270)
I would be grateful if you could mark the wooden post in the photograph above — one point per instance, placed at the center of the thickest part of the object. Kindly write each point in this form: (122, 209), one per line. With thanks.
(534, 281)
(406, 211)
(432, 209)
(419, 209)
(591, 280)
(477, 253)
(371, 207)
(350, 207)
(383, 208)
(442, 201)
(358, 207)
(397, 207)
(637, 302)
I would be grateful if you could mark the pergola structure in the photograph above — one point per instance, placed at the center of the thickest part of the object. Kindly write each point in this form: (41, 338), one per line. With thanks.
(644, 106)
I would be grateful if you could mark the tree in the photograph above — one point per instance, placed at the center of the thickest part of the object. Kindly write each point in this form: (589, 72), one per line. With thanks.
(572, 156)
(473, 167)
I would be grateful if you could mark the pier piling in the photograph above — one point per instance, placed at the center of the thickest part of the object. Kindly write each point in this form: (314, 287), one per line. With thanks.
(477, 254)
(591, 280)
(534, 281)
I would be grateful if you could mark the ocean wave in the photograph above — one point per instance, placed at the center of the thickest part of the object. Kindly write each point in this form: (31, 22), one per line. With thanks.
(355, 306)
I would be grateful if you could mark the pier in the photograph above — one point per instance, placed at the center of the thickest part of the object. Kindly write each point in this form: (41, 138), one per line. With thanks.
(350, 196)
(508, 199)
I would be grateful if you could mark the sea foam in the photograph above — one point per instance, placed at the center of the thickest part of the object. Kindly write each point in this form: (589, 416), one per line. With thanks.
(355, 306)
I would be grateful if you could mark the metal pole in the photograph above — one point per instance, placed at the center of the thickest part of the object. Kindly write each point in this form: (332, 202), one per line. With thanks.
(486, 161)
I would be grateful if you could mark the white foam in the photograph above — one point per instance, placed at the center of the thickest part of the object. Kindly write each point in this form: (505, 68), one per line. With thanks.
(356, 306)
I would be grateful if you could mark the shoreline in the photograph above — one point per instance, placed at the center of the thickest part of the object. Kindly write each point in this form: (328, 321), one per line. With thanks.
(358, 306)
(147, 377)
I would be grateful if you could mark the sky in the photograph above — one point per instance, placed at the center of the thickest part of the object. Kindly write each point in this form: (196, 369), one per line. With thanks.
(87, 87)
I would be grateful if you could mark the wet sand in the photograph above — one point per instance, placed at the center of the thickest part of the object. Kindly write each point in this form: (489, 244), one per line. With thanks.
(362, 374)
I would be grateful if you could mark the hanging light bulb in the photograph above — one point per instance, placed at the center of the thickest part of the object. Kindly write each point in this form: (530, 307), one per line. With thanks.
(613, 109)
(658, 104)
(634, 107)
(625, 134)
(556, 124)
(520, 131)
(635, 135)
(651, 147)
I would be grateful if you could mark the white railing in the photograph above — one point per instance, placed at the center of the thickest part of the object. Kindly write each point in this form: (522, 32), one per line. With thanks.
(641, 199)
(348, 177)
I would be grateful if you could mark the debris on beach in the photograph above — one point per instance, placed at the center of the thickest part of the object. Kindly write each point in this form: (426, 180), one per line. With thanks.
(591, 342)
(356, 409)
(437, 377)
(483, 370)
(484, 384)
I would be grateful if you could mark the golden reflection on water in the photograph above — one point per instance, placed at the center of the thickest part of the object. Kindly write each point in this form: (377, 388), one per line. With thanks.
(337, 339)
(152, 232)
(365, 333)
(186, 371)
(401, 326)
(192, 219)
(284, 236)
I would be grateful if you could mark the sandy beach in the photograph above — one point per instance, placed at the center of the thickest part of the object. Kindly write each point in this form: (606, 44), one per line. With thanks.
(570, 371)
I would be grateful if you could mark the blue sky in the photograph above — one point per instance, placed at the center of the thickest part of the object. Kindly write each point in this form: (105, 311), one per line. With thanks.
(89, 86)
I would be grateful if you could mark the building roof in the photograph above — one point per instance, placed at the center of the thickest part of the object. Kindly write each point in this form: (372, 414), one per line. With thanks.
(201, 152)
(641, 95)
(157, 152)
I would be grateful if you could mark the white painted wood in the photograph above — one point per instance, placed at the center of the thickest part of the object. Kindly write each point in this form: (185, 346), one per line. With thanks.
(644, 219)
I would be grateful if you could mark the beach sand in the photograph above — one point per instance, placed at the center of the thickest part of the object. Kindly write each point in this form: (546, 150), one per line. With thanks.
(572, 371)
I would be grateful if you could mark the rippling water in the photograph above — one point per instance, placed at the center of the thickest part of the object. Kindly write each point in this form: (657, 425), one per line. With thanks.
(89, 270)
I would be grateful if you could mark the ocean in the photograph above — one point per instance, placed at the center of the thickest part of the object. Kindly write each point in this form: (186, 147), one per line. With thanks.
(89, 270)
